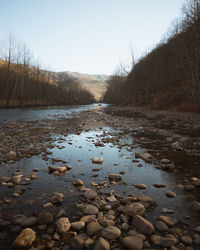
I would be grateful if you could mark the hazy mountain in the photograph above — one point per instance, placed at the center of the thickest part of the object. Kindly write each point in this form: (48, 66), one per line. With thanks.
(94, 83)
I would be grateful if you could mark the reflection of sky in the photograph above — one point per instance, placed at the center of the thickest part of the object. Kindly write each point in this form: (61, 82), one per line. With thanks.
(31, 114)
(79, 156)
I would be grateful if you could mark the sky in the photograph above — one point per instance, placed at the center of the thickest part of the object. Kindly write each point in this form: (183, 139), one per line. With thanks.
(87, 36)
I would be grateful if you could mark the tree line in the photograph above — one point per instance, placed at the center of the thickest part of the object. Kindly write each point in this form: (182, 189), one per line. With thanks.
(169, 75)
(24, 83)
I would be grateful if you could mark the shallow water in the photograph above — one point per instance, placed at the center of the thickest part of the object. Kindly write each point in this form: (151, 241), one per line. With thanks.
(40, 113)
(78, 151)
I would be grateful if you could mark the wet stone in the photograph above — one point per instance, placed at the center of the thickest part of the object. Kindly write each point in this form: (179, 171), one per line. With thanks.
(133, 242)
(168, 220)
(102, 244)
(25, 238)
(142, 225)
(170, 194)
(63, 225)
(161, 226)
(187, 240)
(111, 232)
(45, 218)
(78, 225)
(90, 209)
(93, 228)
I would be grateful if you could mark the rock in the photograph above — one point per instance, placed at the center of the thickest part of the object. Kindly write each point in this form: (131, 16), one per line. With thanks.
(197, 229)
(78, 225)
(97, 160)
(102, 244)
(106, 223)
(77, 242)
(28, 222)
(111, 199)
(165, 161)
(78, 182)
(197, 238)
(161, 226)
(12, 155)
(146, 157)
(170, 194)
(45, 218)
(88, 218)
(17, 178)
(187, 240)
(142, 225)
(61, 213)
(140, 186)
(137, 234)
(132, 242)
(33, 176)
(57, 199)
(166, 210)
(156, 239)
(159, 185)
(111, 232)
(90, 194)
(176, 146)
(63, 225)
(168, 220)
(196, 206)
(133, 209)
(168, 241)
(60, 169)
(90, 209)
(93, 228)
(88, 243)
(189, 187)
(25, 238)
(114, 177)
(147, 199)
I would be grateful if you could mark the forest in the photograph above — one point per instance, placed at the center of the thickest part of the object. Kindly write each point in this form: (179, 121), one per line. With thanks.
(24, 83)
(169, 75)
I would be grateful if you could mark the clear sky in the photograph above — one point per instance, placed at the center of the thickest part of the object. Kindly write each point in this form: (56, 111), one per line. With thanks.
(88, 36)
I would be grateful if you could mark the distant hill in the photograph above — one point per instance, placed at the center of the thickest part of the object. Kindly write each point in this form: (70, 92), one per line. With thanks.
(94, 83)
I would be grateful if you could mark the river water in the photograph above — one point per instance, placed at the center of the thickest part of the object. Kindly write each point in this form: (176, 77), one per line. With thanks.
(77, 150)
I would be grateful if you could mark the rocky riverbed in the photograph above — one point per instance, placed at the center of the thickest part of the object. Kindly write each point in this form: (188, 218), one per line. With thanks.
(105, 178)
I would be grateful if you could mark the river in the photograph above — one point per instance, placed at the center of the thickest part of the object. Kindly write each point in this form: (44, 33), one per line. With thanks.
(98, 135)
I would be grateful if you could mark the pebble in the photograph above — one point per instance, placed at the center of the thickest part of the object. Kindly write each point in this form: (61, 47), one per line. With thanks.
(170, 194)
(111, 232)
(93, 228)
(63, 225)
(142, 225)
(102, 244)
(25, 238)
(90, 209)
(133, 242)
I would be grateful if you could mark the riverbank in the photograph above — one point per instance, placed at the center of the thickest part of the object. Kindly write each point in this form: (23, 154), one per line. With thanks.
(149, 176)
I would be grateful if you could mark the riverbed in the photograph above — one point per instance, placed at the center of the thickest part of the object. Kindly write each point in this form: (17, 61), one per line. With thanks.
(32, 140)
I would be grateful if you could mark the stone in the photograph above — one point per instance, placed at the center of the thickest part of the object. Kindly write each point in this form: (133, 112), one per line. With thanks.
(114, 177)
(156, 239)
(106, 223)
(90, 194)
(161, 226)
(12, 154)
(102, 244)
(159, 185)
(187, 240)
(111, 199)
(60, 169)
(140, 186)
(196, 206)
(25, 238)
(133, 209)
(168, 220)
(88, 243)
(170, 194)
(93, 228)
(197, 238)
(57, 199)
(28, 222)
(90, 209)
(63, 225)
(168, 241)
(45, 218)
(189, 187)
(166, 210)
(77, 242)
(143, 225)
(133, 242)
(78, 225)
(111, 232)
(97, 160)
(137, 234)
(88, 218)
(77, 182)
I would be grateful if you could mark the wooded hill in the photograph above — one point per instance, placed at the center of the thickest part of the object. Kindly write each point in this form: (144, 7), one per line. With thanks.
(168, 76)
(22, 84)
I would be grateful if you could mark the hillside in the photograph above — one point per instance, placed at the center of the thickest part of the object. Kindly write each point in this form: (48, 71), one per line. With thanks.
(96, 84)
